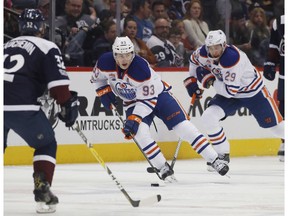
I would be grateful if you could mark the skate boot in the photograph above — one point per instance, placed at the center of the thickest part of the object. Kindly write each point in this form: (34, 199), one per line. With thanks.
(225, 158)
(281, 152)
(45, 199)
(220, 166)
(167, 174)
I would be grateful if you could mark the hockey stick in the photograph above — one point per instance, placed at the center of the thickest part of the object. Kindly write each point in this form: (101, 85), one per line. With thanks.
(150, 169)
(136, 142)
(135, 203)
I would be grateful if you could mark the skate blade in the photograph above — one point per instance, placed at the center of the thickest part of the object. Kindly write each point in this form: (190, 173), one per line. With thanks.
(210, 169)
(170, 179)
(43, 208)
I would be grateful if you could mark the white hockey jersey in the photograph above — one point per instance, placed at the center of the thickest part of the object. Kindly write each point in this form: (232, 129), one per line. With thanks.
(137, 86)
(235, 75)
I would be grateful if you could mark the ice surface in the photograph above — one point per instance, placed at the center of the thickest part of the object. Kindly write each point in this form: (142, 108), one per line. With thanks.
(256, 188)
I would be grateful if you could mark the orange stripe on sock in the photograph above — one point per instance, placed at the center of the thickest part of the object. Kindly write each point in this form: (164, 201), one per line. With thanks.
(199, 144)
(152, 150)
(219, 138)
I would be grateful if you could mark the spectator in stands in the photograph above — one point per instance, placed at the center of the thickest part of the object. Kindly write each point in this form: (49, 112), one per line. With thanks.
(104, 43)
(175, 38)
(196, 28)
(43, 6)
(141, 12)
(75, 25)
(176, 8)
(179, 24)
(88, 8)
(130, 30)
(162, 48)
(259, 36)
(239, 33)
(158, 10)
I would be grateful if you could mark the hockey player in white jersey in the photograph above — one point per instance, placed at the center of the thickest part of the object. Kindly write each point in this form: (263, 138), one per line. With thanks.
(237, 84)
(126, 75)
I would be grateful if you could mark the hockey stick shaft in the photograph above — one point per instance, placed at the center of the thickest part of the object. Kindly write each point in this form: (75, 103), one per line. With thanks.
(134, 203)
(137, 143)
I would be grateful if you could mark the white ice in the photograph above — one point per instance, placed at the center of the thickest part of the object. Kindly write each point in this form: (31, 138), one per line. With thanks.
(255, 188)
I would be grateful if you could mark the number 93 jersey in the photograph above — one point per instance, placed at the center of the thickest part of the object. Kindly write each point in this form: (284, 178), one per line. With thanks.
(138, 86)
(31, 65)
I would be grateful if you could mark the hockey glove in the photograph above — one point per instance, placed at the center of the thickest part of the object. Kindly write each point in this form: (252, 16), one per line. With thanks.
(205, 77)
(107, 97)
(269, 70)
(192, 87)
(69, 110)
(131, 126)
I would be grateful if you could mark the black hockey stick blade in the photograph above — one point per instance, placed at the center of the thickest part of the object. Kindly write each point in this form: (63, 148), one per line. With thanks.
(146, 201)
(135, 203)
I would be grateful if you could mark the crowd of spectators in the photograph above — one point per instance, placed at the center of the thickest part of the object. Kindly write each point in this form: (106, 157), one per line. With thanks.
(164, 32)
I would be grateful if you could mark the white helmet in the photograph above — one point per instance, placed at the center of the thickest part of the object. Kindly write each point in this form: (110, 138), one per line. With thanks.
(123, 45)
(216, 37)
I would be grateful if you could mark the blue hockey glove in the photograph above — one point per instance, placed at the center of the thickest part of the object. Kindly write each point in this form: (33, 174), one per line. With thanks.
(205, 77)
(107, 97)
(192, 87)
(69, 110)
(131, 126)
(269, 70)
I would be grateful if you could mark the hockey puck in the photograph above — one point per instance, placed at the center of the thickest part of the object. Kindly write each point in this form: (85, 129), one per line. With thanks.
(155, 185)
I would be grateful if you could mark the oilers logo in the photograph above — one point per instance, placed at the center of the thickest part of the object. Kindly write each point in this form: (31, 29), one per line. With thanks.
(125, 91)
(217, 73)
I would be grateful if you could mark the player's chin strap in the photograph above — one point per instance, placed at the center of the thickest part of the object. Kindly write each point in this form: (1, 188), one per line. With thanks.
(135, 203)
(137, 143)
(150, 169)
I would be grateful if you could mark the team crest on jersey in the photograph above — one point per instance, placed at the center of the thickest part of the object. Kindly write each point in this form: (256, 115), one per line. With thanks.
(112, 77)
(209, 63)
(125, 90)
(217, 73)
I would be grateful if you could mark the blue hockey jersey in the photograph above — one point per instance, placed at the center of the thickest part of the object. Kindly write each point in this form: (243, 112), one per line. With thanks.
(31, 65)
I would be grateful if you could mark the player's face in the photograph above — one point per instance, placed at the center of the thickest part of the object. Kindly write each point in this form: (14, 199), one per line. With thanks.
(124, 60)
(215, 50)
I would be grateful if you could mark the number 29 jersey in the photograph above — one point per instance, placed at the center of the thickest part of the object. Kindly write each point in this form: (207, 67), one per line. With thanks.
(31, 65)
(235, 76)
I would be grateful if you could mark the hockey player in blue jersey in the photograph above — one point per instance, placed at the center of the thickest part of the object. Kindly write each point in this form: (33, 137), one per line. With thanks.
(276, 56)
(32, 65)
(126, 75)
(237, 84)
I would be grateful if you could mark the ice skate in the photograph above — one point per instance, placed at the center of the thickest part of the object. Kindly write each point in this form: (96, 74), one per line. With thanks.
(167, 174)
(45, 199)
(281, 152)
(225, 158)
(221, 166)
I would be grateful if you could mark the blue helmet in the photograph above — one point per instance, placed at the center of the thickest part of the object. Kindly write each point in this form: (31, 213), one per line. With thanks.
(31, 22)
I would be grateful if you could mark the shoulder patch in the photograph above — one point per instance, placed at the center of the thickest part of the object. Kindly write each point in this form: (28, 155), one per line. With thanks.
(139, 69)
(106, 62)
(203, 51)
(230, 57)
